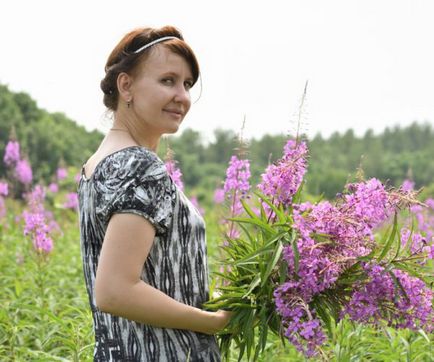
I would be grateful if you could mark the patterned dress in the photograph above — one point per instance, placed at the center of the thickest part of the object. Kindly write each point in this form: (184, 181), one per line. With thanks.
(135, 180)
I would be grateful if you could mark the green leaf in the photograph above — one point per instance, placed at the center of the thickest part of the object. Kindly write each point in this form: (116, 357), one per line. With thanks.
(398, 247)
(325, 317)
(249, 333)
(249, 236)
(264, 226)
(296, 255)
(423, 334)
(249, 210)
(279, 213)
(270, 266)
(268, 248)
(283, 271)
(18, 287)
(407, 268)
(253, 285)
(389, 242)
(398, 284)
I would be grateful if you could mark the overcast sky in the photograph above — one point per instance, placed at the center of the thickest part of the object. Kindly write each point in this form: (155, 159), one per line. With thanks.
(370, 64)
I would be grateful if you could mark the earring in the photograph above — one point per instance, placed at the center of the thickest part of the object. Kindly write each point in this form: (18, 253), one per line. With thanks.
(128, 103)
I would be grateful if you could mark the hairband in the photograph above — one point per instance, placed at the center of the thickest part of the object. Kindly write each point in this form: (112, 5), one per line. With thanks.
(154, 42)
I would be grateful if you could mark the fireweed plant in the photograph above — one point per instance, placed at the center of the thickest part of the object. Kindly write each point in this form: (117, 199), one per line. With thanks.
(176, 175)
(299, 267)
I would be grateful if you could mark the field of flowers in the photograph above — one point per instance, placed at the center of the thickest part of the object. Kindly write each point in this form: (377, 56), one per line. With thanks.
(386, 316)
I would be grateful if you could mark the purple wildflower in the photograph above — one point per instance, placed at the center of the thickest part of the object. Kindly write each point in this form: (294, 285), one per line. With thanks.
(61, 173)
(406, 306)
(36, 226)
(53, 187)
(282, 179)
(12, 153)
(425, 218)
(369, 202)
(23, 172)
(219, 195)
(429, 249)
(4, 189)
(71, 201)
(35, 198)
(35, 220)
(237, 184)
(43, 242)
(407, 185)
(195, 202)
(418, 242)
(330, 239)
(175, 174)
(405, 237)
(301, 328)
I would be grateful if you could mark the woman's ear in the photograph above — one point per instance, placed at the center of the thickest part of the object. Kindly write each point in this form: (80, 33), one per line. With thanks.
(124, 83)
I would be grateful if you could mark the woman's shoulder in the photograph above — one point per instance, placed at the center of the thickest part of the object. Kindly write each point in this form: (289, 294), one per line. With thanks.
(130, 162)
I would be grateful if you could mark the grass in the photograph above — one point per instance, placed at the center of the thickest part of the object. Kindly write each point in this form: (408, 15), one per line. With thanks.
(44, 314)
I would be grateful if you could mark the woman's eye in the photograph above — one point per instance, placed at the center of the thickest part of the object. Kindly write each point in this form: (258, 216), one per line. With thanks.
(168, 81)
(188, 84)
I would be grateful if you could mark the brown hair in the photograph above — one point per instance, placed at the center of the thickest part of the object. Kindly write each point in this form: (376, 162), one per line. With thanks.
(123, 59)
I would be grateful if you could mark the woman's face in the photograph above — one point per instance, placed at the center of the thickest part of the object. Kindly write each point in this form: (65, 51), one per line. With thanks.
(160, 91)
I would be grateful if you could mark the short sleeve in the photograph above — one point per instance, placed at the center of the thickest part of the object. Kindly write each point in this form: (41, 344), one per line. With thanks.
(139, 184)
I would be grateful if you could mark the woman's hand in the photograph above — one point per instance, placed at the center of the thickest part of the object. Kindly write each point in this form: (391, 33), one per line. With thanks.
(218, 321)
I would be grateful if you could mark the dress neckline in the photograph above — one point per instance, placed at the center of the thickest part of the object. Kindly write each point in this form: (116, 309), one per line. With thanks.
(100, 162)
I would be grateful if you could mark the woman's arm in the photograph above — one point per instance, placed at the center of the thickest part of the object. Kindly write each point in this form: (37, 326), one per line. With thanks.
(120, 291)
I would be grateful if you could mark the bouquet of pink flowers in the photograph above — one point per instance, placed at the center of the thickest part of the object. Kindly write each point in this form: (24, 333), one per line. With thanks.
(296, 268)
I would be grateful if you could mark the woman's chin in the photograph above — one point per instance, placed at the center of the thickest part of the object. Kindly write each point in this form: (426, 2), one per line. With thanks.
(172, 129)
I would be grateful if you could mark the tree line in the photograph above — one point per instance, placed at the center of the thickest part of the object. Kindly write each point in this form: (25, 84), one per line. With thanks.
(398, 153)
(52, 139)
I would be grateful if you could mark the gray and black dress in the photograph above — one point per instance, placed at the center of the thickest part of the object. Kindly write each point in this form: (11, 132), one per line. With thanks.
(135, 180)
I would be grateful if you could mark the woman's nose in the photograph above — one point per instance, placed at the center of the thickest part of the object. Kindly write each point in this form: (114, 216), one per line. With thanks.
(182, 94)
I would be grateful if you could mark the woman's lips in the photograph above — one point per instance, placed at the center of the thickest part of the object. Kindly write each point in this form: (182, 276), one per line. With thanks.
(174, 112)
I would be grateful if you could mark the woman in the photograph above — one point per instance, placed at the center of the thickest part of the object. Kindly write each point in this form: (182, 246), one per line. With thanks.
(142, 241)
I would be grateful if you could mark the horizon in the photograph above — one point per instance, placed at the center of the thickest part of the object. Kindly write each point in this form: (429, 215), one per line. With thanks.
(207, 140)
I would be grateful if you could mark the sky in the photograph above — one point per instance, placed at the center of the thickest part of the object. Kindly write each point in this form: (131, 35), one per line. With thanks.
(368, 64)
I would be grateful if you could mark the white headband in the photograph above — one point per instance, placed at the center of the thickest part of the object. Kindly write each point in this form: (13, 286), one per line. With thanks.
(154, 42)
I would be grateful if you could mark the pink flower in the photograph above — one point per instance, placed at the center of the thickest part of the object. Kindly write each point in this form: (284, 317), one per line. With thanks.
(42, 242)
(23, 172)
(405, 235)
(431, 251)
(219, 195)
(4, 189)
(233, 233)
(430, 203)
(175, 174)
(409, 306)
(61, 173)
(282, 179)
(195, 202)
(237, 176)
(12, 153)
(71, 201)
(369, 202)
(36, 198)
(53, 187)
(35, 225)
(237, 183)
(35, 220)
(407, 185)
